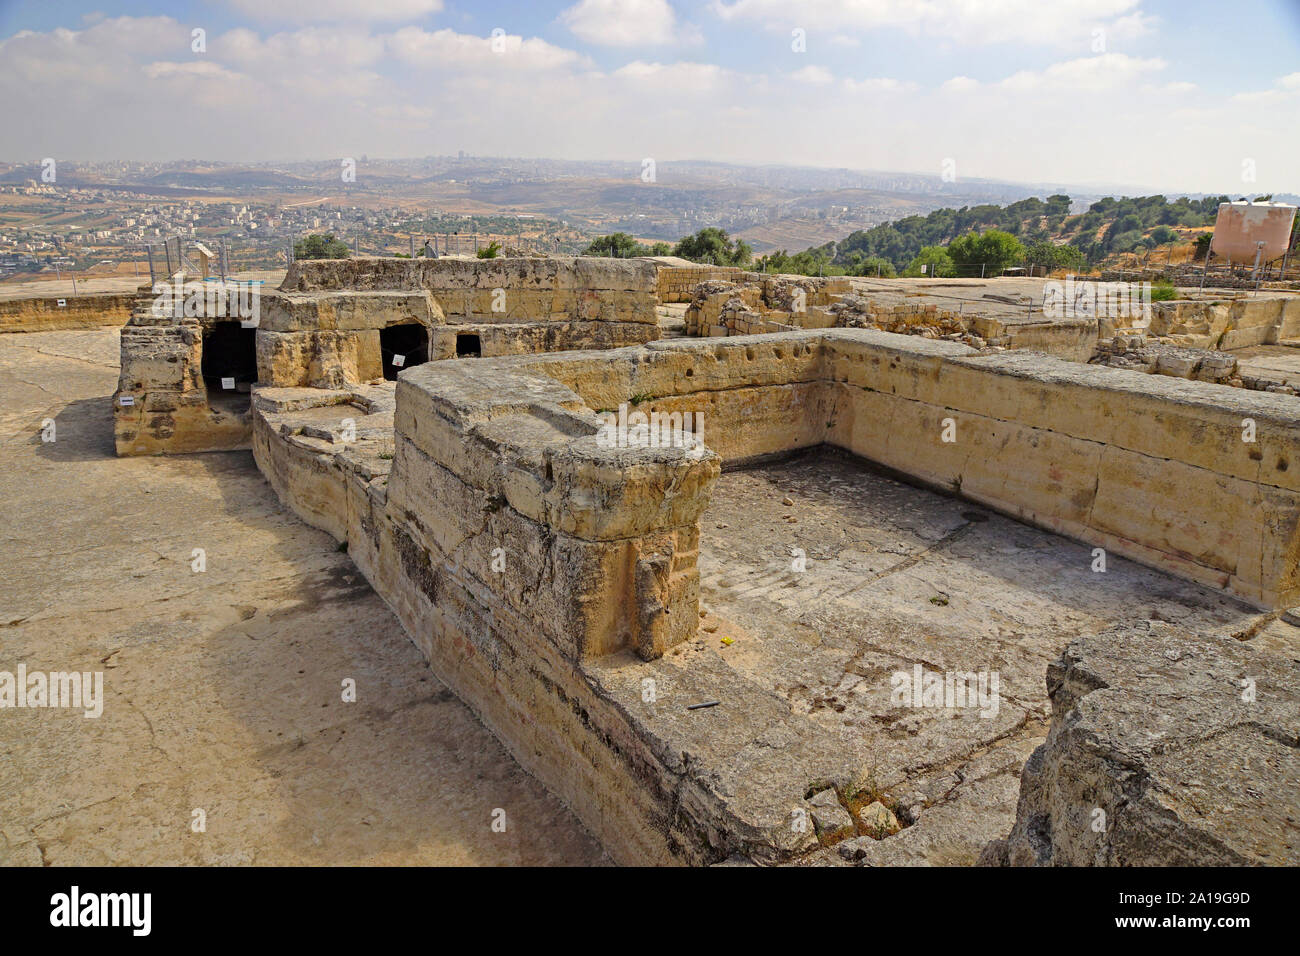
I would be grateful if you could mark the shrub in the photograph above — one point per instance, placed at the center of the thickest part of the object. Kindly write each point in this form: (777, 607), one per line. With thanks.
(321, 246)
(1163, 292)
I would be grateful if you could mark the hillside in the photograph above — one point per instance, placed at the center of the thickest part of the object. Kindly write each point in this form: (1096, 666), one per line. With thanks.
(1109, 229)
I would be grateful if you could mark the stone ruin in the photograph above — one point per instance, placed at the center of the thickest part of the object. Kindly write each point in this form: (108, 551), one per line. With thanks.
(186, 378)
(749, 303)
(569, 579)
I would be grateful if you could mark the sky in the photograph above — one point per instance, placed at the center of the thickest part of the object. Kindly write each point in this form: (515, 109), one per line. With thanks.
(1164, 94)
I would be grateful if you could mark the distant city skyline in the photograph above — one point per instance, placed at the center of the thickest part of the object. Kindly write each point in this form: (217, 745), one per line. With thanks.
(1082, 92)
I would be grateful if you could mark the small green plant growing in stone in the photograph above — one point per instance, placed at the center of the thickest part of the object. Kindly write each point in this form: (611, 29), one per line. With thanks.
(490, 251)
(1163, 291)
(640, 398)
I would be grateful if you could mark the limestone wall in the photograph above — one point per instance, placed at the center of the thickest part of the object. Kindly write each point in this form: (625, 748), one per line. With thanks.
(1235, 324)
(44, 314)
(494, 291)
(1072, 339)
(515, 549)
(323, 330)
(677, 283)
(161, 404)
(329, 340)
(1151, 468)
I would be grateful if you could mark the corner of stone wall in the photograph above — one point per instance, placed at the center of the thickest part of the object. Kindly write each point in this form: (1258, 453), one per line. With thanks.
(602, 541)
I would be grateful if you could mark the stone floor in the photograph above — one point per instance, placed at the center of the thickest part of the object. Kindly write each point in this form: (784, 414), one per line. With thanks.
(223, 688)
(898, 576)
(1274, 363)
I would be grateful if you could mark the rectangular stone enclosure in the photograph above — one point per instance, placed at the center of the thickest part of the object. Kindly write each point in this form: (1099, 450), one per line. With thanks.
(531, 550)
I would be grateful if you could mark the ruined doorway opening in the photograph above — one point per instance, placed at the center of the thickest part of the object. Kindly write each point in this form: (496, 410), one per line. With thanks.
(403, 346)
(468, 345)
(229, 363)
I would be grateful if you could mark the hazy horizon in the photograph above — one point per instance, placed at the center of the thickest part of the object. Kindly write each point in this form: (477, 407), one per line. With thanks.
(1096, 94)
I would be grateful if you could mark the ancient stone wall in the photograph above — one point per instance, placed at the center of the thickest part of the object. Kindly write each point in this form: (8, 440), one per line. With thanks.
(1236, 324)
(332, 339)
(45, 314)
(1150, 467)
(756, 304)
(494, 291)
(515, 548)
(1153, 468)
(677, 283)
(751, 303)
(162, 404)
(324, 329)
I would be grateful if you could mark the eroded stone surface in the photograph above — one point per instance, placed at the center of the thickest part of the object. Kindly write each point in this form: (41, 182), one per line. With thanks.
(1167, 748)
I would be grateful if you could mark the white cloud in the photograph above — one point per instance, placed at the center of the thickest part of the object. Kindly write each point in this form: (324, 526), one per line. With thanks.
(1133, 26)
(199, 70)
(959, 84)
(880, 84)
(626, 23)
(675, 77)
(311, 48)
(347, 11)
(817, 75)
(1283, 89)
(1089, 73)
(1054, 22)
(442, 49)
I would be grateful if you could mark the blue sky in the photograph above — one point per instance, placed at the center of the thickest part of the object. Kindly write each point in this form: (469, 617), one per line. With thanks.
(1173, 95)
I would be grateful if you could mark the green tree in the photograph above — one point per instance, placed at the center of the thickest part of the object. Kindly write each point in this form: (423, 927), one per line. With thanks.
(936, 260)
(986, 253)
(713, 246)
(618, 245)
(872, 266)
(1049, 256)
(321, 246)
(490, 251)
(810, 262)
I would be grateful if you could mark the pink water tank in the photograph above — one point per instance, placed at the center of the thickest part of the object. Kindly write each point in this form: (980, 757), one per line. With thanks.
(1241, 226)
